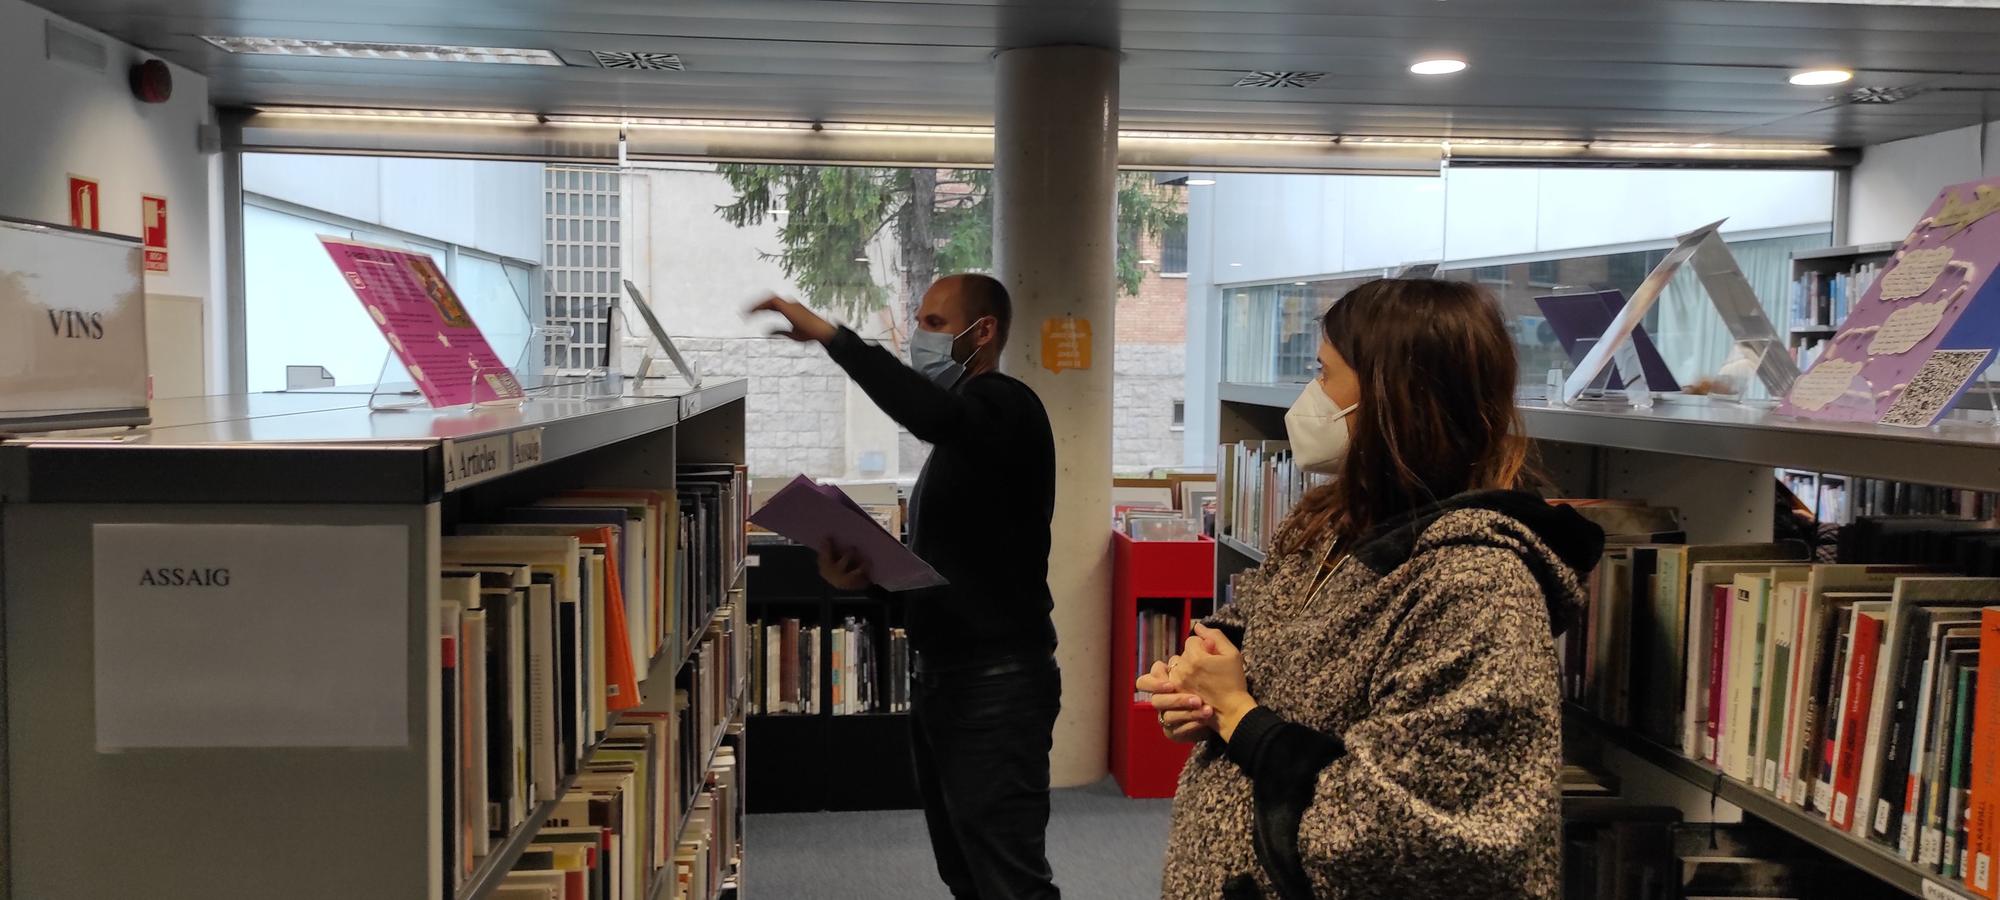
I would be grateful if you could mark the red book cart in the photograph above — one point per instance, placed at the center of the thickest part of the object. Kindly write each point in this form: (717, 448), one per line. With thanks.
(1158, 589)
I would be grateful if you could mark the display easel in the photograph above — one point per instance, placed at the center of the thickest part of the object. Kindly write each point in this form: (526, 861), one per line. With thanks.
(1757, 345)
(688, 373)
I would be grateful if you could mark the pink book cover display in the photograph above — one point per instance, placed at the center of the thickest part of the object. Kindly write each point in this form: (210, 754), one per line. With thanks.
(1924, 331)
(425, 323)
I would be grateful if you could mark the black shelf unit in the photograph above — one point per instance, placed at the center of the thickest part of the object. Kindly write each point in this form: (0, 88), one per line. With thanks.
(822, 761)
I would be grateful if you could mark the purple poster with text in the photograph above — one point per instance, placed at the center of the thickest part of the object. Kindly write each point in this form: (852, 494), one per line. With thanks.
(1924, 330)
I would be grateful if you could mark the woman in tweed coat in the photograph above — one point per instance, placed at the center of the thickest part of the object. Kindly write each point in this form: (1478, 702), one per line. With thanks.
(1378, 709)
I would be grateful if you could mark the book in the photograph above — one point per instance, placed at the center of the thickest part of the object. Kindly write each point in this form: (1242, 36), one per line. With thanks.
(1884, 768)
(1865, 638)
(1821, 619)
(1982, 818)
(1774, 696)
(1682, 583)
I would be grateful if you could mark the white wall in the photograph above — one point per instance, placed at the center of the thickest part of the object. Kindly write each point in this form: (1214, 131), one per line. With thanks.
(1896, 182)
(62, 119)
(482, 204)
(1269, 228)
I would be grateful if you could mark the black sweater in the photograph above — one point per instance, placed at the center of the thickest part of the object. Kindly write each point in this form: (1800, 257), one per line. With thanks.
(981, 508)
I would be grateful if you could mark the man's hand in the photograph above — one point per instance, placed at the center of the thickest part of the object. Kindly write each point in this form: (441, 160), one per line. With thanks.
(843, 568)
(802, 324)
(1183, 717)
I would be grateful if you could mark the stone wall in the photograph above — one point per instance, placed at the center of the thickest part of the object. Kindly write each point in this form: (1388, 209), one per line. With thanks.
(1147, 383)
(797, 414)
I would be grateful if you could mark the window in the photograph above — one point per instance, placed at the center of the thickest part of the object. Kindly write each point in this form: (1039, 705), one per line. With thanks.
(1173, 251)
(1542, 273)
(1180, 414)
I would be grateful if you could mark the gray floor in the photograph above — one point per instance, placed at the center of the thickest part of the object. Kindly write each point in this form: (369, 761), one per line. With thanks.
(1101, 845)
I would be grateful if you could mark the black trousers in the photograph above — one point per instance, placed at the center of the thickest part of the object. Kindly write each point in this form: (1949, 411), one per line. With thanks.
(981, 741)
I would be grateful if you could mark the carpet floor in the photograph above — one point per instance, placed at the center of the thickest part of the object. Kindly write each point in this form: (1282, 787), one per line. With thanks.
(1102, 846)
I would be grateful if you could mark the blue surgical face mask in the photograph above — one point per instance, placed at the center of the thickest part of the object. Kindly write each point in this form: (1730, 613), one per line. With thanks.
(930, 353)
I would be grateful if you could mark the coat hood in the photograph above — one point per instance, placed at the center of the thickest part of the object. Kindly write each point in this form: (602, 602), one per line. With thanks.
(1558, 545)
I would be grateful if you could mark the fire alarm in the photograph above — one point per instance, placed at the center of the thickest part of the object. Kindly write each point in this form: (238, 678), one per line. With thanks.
(152, 81)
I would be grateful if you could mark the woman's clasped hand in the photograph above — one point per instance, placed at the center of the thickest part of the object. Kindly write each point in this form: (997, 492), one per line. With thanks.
(1201, 691)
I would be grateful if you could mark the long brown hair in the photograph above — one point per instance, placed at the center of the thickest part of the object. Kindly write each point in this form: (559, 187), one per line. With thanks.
(1436, 415)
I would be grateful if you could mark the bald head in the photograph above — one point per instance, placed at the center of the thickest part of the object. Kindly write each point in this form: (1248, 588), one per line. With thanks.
(956, 303)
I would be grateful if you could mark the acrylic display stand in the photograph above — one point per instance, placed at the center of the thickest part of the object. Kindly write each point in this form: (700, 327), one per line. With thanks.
(689, 374)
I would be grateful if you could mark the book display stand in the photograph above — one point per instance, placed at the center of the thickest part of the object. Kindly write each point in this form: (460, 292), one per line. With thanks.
(1159, 589)
(301, 537)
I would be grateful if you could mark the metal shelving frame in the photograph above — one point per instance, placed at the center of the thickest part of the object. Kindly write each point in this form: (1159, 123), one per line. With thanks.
(305, 823)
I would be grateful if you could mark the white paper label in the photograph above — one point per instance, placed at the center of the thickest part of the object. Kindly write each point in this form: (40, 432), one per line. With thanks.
(1909, 833)
(1785, 788)
(1930, 851)
(1839, 807)
(1915, 273)
(1906, 328)
(1770, 774)
(1822, 796)
(251, 635)
(752, 560)
(527, 447)
(1827, 380)
(1936, 891)
(467, 463)
(1982, 871)
(1882, 817)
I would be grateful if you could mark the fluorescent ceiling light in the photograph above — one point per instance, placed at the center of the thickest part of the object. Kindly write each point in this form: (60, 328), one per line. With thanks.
(1235, 265)
(1200, 182)
(1817, 77)
(1943, 4)
(1438, 66)
(451, 115)
(371, 50)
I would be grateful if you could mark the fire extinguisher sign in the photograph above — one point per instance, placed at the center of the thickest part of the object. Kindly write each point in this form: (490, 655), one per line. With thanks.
(83, 203)
(153, 224)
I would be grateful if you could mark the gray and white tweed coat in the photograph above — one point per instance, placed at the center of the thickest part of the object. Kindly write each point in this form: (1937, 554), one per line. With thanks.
(1408, 741)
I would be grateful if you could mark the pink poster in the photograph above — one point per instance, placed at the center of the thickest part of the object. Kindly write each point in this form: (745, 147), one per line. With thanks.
(424, 322)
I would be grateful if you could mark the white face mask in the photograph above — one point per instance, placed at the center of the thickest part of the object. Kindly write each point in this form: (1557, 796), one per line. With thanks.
(930, 353)
(1317, 430)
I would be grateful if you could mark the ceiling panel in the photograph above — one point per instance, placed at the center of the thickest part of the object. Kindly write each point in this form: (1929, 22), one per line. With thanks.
(1581, 69)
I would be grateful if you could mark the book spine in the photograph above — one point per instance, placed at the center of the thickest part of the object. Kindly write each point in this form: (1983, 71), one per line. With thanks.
(1894, 786)
(1952, 861)
(1854, 729)
(1718, 669)
(1982, 820)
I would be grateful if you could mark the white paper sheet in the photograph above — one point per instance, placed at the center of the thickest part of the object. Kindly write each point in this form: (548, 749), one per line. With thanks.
(251, 635)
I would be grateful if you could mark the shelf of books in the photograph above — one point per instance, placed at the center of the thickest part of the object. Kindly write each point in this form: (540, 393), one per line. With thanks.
(829, 688)
(1839, 683)
(439, 655)
(1159, 589)
(1825, 284)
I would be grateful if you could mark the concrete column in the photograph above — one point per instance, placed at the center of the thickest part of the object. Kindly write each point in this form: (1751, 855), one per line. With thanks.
(1055, 152)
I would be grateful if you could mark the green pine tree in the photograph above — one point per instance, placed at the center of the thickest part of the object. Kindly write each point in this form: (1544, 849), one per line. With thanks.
(940, 219)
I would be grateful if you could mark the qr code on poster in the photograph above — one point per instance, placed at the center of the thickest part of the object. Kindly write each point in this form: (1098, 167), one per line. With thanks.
(1933, 386)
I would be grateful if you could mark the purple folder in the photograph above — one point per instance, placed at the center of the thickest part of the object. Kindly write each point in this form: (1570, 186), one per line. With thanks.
(1580, 318)
(815, 515)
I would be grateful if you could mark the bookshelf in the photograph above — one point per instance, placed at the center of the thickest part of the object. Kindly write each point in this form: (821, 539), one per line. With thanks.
(1170, 581)
(1718, 463)
(305, 818)
(819, 761)
(1824, 284)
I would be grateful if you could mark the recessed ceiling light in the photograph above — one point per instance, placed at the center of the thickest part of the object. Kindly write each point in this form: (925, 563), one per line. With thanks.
(1235, 265)
(1816, 77)
(369, 50)
(1438, 66)
(1200, 182)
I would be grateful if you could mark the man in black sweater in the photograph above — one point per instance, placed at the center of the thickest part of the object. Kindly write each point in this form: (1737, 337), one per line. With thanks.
(987, 688)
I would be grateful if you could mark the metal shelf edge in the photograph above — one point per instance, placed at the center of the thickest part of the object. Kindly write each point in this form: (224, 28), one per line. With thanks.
(1241, 548)
(1866, 856)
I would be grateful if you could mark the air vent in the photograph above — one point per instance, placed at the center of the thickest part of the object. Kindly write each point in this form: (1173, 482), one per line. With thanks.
(638, 59)
(1881, 94)
(1279, 79)
(75, 48)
